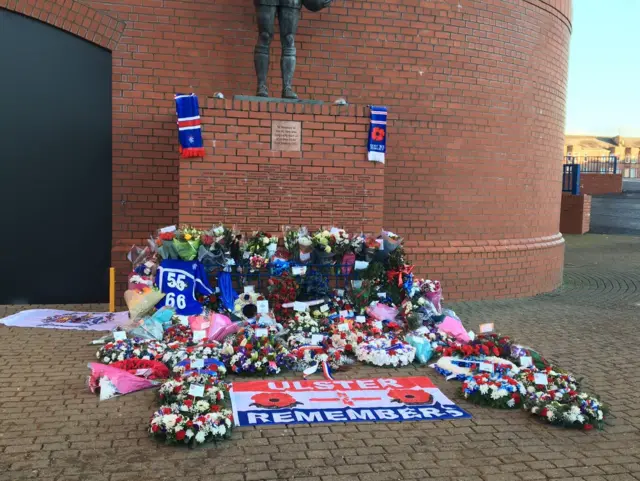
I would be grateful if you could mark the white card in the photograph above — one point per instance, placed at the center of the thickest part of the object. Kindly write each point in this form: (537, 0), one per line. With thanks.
(119, 335)
(378, 324)
(340, 292)
(249, 289)
(344, 313)
(343, 327)
(316, 339)
(184, 321)
(305, 256)
(262, 332)
(199, 335)
(540, 378)
(361, 265)
(263, 307)
(169, 228)
(299, 270)
(488, 327)
(361, 319)
(526, 361)
(300, 306)
(266, 319)
(380, 243)
(197, 364)
(356, 284)
(485, 367)
(472, 335)
(324, 308)
(196, 390)
(382, 295)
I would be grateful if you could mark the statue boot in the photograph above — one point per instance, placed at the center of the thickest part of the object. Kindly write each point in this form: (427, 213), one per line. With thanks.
(288, 67)
(261, 61)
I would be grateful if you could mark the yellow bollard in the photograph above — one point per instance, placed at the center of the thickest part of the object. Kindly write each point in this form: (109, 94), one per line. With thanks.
(112, 289)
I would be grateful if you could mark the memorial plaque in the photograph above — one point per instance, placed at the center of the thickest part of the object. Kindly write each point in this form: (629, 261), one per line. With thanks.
(285, 135)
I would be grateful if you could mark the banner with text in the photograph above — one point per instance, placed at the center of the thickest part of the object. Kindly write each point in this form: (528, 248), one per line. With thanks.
(303, 402)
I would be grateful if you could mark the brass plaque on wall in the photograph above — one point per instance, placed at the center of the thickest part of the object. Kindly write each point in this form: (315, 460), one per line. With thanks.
(286, 135)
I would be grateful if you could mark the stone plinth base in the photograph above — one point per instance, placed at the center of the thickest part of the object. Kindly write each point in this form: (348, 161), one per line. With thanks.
(269, 164)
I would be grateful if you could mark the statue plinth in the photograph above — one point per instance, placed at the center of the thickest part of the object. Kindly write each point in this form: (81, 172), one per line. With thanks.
(252, 98)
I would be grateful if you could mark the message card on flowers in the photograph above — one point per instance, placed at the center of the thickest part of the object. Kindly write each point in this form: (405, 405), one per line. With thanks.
(327, 401)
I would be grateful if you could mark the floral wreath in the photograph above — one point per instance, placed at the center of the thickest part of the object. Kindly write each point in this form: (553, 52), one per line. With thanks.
(302, 322)
(281, 290)
(212, 368)
(346, 341)
(191, 423)
(247, 354)
(462, 368)
(560, 402)
(131, 348)
(496, 391)
(177, 352)
(177, 390)
(385, 351)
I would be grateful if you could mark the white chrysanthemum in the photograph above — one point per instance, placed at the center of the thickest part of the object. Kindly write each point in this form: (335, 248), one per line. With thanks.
(169, 420)
(600, 415)
(531, 389)
(200, 437)
(535, 410)
(502, 392)
(511, 402)
(575, 410)
(484, 389)
(189, 433)
(550, 415)
(202, 406)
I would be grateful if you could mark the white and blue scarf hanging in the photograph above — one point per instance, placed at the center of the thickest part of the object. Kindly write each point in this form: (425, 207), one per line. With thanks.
(377, 144)
(189, 128)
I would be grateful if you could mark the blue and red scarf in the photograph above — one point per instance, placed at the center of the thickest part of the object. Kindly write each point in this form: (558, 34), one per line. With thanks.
(377, 144)
(189, 128)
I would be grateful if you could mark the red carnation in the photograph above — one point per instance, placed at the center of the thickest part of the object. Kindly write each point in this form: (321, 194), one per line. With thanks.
(176, 389)
(215, 408)
(155, 428)
(189, 423)
(188, 403)
(249, 346)
(516, 397)
(166, 410)
(485, 350)
(180, 435)
(348, 347)
(588, 427)
(496, 352)
(544, 412)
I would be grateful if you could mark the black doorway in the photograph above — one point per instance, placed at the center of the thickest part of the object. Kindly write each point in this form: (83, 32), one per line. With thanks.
(55, 165)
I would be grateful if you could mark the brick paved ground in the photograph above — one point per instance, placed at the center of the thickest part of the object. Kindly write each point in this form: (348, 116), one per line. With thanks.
(52, 428)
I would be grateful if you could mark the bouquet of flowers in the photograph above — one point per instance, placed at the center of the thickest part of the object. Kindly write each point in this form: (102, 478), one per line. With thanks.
(219, 246)
(131, 348)
(386, 351)
(498, 345)
(258, 248)
(324, 244)
(186, 242)
(496, 391)
(246, 305)
(191, 423)
(247, 354)
(298, 243)
(346, 340)
(281, 290)
(212, 367)
(177, 390)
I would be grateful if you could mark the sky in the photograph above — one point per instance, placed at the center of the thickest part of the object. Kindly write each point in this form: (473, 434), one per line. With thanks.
(604, 68)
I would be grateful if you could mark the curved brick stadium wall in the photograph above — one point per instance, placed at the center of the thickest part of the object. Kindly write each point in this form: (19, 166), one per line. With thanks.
(477, 95)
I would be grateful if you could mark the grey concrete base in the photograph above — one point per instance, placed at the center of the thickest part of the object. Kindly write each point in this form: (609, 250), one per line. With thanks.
(253, 98)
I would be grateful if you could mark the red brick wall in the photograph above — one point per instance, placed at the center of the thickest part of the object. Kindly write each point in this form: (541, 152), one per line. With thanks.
(575, 215)
(477, 88)
(242, 182)
(596, 184)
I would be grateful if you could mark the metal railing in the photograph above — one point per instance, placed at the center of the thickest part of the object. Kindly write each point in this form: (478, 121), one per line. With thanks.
(607, 164)
(571, 178)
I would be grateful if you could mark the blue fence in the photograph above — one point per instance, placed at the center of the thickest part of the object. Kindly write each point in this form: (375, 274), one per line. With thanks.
(571, 178)
(594, 165)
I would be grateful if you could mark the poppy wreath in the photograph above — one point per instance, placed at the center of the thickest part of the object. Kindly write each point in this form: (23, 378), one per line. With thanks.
(186, 424)
(498, 345)
(177, 390)
(345, 340)
(177, 352)
(274, 400)
(178, 333)
(247, 354)
(496, 391)
(560, 402)
(410, 396)
(133, 366)
(131, 348)
(385, 351)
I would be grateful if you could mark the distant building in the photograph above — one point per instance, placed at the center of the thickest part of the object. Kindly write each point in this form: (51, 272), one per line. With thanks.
(626, 149)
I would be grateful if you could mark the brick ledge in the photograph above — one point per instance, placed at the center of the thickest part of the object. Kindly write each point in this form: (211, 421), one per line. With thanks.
(483, 246)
